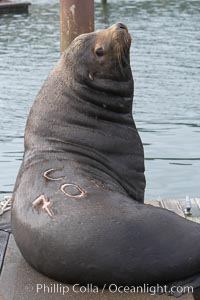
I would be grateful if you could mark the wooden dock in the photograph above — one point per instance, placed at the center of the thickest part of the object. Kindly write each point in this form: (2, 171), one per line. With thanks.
(12, 7)
(18, 281)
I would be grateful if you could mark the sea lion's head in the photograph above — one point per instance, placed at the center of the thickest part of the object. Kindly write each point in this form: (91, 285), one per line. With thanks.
(100, 61)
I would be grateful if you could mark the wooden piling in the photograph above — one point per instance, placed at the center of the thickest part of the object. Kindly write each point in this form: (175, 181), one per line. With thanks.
(76, 17)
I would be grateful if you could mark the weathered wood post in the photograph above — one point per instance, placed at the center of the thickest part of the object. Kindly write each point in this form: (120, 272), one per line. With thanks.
(76, 17)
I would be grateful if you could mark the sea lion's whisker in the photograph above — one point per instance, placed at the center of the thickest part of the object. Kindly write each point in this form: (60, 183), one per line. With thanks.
(126, 46)
(119, 57)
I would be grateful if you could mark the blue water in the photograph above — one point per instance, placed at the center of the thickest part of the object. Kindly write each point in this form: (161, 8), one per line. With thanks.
(165, 58)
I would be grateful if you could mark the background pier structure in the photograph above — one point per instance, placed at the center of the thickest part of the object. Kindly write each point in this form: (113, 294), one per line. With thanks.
(76, 17)
(14, 7)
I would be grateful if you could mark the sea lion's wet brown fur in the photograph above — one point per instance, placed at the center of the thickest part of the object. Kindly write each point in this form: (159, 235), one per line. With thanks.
(78, 214)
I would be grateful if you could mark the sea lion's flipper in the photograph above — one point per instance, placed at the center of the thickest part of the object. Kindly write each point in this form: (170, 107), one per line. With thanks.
(178, 288)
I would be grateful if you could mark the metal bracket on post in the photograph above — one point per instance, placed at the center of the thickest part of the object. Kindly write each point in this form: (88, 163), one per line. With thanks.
(76, 17)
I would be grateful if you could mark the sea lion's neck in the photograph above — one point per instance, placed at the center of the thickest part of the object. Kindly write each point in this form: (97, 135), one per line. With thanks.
(110, 94)
(113, 91)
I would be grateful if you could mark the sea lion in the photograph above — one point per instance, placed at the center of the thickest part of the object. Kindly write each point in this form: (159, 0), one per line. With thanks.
(78, 214)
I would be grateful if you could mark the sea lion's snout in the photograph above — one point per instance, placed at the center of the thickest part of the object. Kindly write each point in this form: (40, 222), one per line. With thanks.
(120, 36)
(117, 27)
(110, 50)
(120, 25)
(112, 40)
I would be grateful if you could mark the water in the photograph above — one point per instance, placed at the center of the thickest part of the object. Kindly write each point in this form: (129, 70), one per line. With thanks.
(165, 58)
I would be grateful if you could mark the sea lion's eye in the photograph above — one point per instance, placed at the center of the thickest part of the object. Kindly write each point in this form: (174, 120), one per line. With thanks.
(99, 52)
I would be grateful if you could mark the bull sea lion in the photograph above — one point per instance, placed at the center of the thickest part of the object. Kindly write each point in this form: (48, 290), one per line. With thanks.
(78, 214)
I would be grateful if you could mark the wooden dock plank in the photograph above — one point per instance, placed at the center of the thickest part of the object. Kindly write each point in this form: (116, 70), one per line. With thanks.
(195, 210)
(5, 221)
(4, 236)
